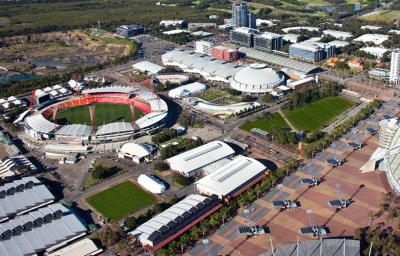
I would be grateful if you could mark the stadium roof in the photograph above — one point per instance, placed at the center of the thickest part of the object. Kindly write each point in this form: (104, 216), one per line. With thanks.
(39, 230)
(147, 66)
(230, 177)
(21, 196)
(174, 219)
(117, 127)
(279, 60)
(40, 124)
(83, 247)
(196, 158)
(330, 247)
(76, 130)
(110, 89)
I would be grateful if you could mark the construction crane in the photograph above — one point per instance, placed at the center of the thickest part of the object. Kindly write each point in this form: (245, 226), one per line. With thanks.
(339, 203)
(312, 229)
(284, 204)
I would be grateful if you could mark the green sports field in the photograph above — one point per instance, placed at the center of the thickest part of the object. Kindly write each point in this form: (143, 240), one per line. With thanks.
(266, 124)
(120, 200)
(315, 116)
(104, 113)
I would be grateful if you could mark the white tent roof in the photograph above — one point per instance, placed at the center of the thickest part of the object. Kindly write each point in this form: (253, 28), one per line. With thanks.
(201, 156)
(147, 66)
(140, 150)
(187, 89)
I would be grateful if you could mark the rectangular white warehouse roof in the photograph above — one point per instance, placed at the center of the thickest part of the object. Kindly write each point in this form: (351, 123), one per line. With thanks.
(378, 52)
(147, 66)
(231, 177)
(174, 219)
(44, 229)
(287, 30)
(192, 160)
(20, 196)
(370, 27)
(186, 90)
(337, 34)
(84, 247)
(372, 38)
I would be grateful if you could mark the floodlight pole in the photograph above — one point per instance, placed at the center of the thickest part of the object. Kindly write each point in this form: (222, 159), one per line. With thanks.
(272, 246)
(339, 191)
(206, 242)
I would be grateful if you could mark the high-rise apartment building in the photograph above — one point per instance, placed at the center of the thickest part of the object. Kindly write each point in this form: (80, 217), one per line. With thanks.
(240, 15)
(394, 76)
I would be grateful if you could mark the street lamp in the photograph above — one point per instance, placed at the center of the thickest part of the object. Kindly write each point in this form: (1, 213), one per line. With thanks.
(206, 242)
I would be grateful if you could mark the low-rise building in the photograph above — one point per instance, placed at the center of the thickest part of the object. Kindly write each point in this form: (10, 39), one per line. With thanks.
(268, 41)
(378, 52)
(376, 39)
(190, 163)
(204, 47)
(338, 34)
(130, 30)
(311, 51)
(198, 25)
(292, 38)
(225, 53)
(243, 36)
(231, 179)
(379, 73)
(187, 90)
(152, 183)
(370, 27)
(311, 29)
(173, 23)
(136, 152)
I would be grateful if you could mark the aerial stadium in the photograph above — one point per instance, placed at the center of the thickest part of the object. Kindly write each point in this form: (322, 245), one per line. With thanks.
(97, 115)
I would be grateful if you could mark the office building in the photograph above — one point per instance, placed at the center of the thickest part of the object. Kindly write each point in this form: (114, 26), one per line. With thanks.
(225, 53)
(252, 21)
(268, 41)
(394, 76)
(311, 51)
(130, 30)
(203, 47)
(243, 36)
(240, 15)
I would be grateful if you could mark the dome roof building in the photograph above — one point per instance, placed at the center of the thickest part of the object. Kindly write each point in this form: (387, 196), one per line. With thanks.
(257, 79)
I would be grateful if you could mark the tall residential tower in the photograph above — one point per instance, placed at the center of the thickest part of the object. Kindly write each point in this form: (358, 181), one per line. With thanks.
(394, 76)
(240, 15)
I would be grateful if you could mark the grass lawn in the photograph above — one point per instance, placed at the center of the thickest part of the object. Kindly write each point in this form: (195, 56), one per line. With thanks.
(315, 116)
(265, 124)
(103, 113)
(387, 16)
(210, 95)
(120, 200)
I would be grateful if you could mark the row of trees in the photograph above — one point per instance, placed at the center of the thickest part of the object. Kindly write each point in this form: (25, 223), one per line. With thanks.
(165, 135)
(382, 238)
(184, 145)
(327, 89)
(215, 220)
(320, 144)
(100, 171)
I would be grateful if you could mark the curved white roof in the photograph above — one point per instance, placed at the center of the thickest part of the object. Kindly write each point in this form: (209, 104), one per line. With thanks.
(40, 124)
(110, 89)
(256, 78)
(214, 108)
(186, 90)
(151, 183)
(201, 156)
(134, 149)
(230, 177)
(78, 130)
(117, 127)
